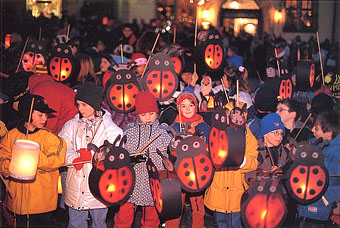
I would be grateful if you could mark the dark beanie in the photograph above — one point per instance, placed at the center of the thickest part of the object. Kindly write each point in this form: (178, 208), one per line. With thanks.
(321, 103)
(91, 94)
(265, 100)
(145, 102)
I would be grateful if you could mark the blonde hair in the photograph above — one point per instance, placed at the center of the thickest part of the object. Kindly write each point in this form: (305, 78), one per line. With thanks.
(86, 69)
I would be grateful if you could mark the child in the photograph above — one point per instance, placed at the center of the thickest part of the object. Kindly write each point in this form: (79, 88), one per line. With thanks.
(138, 135)
(37, 198)
(327, 127)
(91, 125)
(187, 107)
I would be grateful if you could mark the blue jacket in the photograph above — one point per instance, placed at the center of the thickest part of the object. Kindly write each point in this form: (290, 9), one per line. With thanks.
(319, 210)
(235, 60)
(255, 126)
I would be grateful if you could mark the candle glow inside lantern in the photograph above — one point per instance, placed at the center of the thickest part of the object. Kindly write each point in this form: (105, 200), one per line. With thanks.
(25, 156)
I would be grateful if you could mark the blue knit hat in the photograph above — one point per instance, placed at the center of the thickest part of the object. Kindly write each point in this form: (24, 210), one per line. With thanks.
(271, 122)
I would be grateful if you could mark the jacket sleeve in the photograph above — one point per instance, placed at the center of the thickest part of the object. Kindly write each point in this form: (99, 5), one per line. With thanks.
(52, 154)
(5, 154)
(250, 156)
(67, 134)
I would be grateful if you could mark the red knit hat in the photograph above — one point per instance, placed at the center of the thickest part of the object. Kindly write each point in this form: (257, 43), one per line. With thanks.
(145, 102)
(139, 58)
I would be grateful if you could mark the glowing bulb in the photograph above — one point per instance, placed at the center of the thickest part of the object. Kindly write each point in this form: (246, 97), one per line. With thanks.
(263, 214)
(111, 188)
(222, 153)
(192, 176)
(234, 5)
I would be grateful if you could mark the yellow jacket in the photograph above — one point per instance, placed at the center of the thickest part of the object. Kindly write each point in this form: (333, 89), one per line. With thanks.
(41, 195)
(226, 189)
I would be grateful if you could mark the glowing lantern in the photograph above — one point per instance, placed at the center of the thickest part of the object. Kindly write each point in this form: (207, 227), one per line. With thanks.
(265, 206)
(24, 162)
(105, 20)
(60, 187)
(278, 16)
(35, 54)
(286, 87)
(305, 74)
(7, 41)
(61, 64)
(121, 89)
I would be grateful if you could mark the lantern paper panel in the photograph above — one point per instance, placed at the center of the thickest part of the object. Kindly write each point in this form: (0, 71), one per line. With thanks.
(160, 78)
(166, 193)
(176, 53)
(122, 88)
(62, 63)
(193, 165)
(265, 206)
(35, 54)
(305, 75)
(307, 177)
(25, 158)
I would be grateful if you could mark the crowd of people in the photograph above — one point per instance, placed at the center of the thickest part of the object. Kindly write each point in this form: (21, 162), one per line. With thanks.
(64, 117)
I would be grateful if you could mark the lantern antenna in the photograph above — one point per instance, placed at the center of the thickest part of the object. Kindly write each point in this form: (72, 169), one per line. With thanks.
(174, 40)
(153, 48)
(323, 77)
(225, 92)
(123, 141)
(121, 52)
(278, 63)
(304, 124)
(22, 54)
(6, 185)
(29, 117)
(117, 139)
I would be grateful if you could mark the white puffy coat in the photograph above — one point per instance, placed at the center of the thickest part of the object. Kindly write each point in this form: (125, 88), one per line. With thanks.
(77, 192)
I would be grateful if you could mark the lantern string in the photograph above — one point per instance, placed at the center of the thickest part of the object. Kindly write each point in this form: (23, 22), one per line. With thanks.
(29, 118)
(153, 48)
(323, 77)
(278, 63)
(121, 52)
(22, 55)
(303, 125)
(175, 31)
(225, 92)
(6, 185)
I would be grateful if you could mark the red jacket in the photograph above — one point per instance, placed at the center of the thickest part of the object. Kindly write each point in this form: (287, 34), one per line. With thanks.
(59, 97)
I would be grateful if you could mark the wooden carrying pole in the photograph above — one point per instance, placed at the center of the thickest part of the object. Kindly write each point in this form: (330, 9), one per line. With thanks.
(278, 63)
(195, 41)
(121, 52)
(29, 117)
(22, 55)
(321, 66)
(153, 48)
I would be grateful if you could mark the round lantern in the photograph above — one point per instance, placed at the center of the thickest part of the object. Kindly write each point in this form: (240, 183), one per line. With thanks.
(305, 73)
(25, 156)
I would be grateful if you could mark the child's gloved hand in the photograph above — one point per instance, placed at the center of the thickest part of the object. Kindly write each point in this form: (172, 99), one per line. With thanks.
(78, 166)
(85, 154)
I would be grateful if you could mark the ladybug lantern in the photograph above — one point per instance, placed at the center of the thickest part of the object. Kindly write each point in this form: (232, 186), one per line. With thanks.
(160, 79)
(226, 143)
(210, 53)
(307, 177)
(265, 206)
(286, 86)
(193, 165)
(122, 87)
(305, 74)
(166, 192)
(61, 64)
(176, 53)
(35, 54)
(114, 180)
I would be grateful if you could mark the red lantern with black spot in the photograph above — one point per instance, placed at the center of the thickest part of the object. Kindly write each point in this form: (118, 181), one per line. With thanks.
(61, 64)
(307, 176)
(265, 206)
(115, 184)
(160, 79)
(35, 54)
(121, 89)
(193, 165)
(176, 53)
(286, 87)
(305, 75)
(166, 192)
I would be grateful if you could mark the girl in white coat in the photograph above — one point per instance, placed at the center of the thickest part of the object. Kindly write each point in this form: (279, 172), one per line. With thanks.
(91, 125)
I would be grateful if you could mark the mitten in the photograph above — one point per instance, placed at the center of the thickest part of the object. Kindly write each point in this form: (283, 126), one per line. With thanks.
(85, 154)
(78, 166)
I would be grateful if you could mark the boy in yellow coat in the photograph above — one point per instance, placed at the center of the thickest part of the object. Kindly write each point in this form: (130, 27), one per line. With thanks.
(36, 198)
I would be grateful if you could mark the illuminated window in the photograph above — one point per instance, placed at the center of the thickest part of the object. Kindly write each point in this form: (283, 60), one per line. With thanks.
(301, 16)
(46, 7)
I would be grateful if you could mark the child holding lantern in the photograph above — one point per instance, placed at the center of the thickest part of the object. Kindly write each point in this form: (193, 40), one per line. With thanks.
(37, 198)
(138, 135)
(91, 125)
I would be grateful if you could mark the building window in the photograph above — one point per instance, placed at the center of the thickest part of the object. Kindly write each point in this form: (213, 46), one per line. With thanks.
(301, 16)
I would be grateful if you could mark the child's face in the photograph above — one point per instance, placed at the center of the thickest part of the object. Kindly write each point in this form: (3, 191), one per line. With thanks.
(148, 117)
(140, 69)
(318, 133)
(187, 108)
(273, 138)
(284, 113)
(104, 65)
(39, 119)
(85, 109)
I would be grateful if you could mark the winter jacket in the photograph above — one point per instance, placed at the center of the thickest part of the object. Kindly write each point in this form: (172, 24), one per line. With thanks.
(225, 192)
(319, 210)
(77, 193)
(41, 195)
(59, 97)
(139, 134)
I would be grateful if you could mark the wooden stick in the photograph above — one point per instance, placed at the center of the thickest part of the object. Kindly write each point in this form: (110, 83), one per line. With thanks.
(270, 156)
(4, 75)
(146, 145)
(68, 32)
(40, 34)
(22, 55)
(278, 63)
(6, 185)
(323, 77)
(121, 52)
(258, 75)
(175, 30)
(237, 92)
(153, 48)
(298, 54)
(225, 92)
(29, 117)
(180, 118)
(303, 125)
(195, 40)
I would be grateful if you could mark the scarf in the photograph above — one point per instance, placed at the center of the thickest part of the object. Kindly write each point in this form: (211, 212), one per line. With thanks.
(87, 126)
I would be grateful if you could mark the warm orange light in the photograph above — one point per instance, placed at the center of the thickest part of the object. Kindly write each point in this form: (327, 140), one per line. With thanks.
(205, 24)
(201, 2)
(278, 16)
(7, 41)
(192, 176)
(303, 188)
(111, 188)
(234, 5)
(263, 214)
(60, 188)
(222, 153)
(206, 15)
(105, 20)
(250, 28)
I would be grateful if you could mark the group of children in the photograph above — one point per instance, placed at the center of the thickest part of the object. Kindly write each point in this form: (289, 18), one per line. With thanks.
(93, 124)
